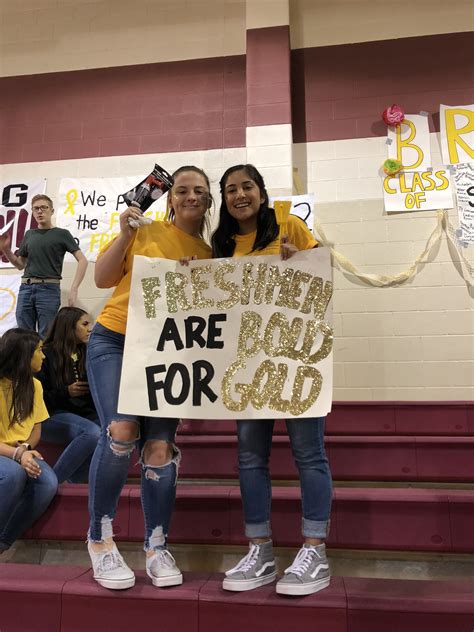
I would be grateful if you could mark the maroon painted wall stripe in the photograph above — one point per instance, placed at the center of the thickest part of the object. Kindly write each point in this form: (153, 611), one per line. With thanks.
(268, 76)
(177, 106)
(340, 91)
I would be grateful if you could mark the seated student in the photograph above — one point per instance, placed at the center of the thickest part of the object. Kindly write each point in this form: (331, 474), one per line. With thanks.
(73, 418)
(27, 483)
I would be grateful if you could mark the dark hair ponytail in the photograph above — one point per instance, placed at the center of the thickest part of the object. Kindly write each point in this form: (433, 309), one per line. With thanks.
(61, 339)
(17, 347)
(223, 242)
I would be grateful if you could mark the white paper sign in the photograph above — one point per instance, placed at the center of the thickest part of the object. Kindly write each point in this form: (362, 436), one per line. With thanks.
(418, 191)
(15, 211)
(90, 208)
(243, 338)
(302, 206)
(456, 124)
(9, 288)
(410, 143)
(464, 185)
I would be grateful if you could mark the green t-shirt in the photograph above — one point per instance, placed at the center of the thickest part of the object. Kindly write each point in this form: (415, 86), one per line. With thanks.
(44, 249)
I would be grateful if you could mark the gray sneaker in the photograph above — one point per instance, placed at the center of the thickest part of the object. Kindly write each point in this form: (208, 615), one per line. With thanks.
(308, 574)
(256, 569)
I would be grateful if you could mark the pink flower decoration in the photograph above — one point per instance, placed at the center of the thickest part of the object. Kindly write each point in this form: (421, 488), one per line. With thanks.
(394, 115)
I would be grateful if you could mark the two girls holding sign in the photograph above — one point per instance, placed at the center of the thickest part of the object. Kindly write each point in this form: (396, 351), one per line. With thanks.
(189, 201)
(248, 227)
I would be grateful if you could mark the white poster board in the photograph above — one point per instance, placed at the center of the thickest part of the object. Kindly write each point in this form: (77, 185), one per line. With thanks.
(9, 288)
(418, 191)
(464, 185)
(90, 208)
(243, 338)
(301, 205)
(456, 123)
(409, 142)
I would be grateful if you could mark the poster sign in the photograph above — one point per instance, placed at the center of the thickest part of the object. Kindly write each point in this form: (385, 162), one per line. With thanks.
(15, 211)
(418, 191)
(302, 206)
(464, 184)
(244, 338)
(9, 288)
(409, 142)
(456, 124)
(90, 208)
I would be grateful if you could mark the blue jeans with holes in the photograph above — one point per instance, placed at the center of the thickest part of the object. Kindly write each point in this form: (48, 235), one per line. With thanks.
(111, 460)
(307, 444)
(37, 306)
(80, 436)
(23, 499)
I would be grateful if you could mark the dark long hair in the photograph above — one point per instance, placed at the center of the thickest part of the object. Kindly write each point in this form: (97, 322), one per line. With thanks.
(61, 339)
(223, 242)
(17, 347)
(205, 227)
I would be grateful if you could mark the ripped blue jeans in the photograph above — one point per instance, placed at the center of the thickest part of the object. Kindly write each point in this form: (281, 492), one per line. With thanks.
(111, 460)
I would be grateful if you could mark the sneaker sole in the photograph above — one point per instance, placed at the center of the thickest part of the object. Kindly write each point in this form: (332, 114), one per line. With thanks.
(163, 582)
(239, 585)
(121, 584)
(303, 589)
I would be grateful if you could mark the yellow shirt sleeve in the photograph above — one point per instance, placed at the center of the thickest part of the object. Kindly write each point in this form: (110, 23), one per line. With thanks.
(40, 412)
(299, 234)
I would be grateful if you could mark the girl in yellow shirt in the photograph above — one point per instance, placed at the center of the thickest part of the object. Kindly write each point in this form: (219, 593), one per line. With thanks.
(248, 227)
(189, 201)
(27, 483)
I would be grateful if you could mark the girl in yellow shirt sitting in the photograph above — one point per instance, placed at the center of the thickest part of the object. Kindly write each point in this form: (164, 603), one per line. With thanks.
(27, 483)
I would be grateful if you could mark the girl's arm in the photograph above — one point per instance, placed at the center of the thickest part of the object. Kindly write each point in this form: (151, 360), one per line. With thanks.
(109, 266)
(35, 436)
(7, 450)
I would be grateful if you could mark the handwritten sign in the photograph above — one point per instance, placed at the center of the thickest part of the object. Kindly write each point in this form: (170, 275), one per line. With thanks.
(244, 338)
(457, 133)
(464, 184)
(410, 143)
(418, 191)
(90, 208)
(301, 205)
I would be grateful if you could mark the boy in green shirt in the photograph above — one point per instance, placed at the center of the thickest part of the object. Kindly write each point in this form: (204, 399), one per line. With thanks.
(41, 255)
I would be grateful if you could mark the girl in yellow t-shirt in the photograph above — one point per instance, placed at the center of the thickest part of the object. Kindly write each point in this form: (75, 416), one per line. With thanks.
(26, 485)
(188, 201)
(248, 227)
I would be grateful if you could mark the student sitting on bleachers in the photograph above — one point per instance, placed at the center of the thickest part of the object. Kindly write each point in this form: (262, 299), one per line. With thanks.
(27, 483)
(73, 418)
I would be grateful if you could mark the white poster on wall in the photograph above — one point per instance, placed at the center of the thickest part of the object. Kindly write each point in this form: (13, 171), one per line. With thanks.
(9, 288)
(302, 206)
(418, 191)
(244, 338)
(409, 143)
(15, 211)
(464, 185)
(456, 124)
(90, 208)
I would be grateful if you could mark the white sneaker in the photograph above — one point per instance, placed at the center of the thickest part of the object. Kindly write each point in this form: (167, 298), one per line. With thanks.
(110, 569)
(162, 570)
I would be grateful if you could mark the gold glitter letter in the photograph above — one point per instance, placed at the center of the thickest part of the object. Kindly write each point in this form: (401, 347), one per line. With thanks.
(198, 286)
(260, 396)
(248, 282)
(226, 385)
(297, 407)
(175, 284)
(250, 324)
(319, 296)
(150, 291)
(227, 286)
(276, 321)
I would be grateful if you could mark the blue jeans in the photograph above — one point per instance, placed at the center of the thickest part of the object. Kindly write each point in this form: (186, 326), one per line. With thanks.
(23, 499)
(80, 436)
(307, 444)
(110, 463)
(37, 306)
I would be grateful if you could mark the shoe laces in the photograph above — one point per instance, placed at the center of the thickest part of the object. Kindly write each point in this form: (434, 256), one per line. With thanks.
(110, 561)
(247, 562)
(165, 559)
(302, 561)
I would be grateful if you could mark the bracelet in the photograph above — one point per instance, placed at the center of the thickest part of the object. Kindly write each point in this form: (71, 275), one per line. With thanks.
(15, 453)
(19, 455)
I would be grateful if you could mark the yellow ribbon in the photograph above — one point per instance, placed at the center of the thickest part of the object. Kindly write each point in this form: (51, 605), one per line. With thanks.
(71, 197)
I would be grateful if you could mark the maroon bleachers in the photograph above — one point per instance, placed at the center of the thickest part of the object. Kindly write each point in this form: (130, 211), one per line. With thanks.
(65, 599)
(362, 518)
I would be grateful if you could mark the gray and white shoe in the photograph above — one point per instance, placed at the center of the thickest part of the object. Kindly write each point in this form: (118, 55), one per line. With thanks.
(161, 568)
(256, 569)
(308, 574)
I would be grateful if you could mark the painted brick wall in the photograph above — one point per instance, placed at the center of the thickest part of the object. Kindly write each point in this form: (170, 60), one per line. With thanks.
(177, 106)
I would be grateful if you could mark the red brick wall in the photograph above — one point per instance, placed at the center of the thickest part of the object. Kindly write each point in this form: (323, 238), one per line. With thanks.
(340, 91)
(179, 106)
